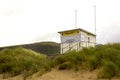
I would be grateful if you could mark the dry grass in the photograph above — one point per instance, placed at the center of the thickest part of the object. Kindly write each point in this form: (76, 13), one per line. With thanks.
(55, 74)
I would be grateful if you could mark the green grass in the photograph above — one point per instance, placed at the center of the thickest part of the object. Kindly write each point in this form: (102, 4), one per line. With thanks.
(70, 60)
(105, 58)
(19, 60)
(47, 48)
(108, 70)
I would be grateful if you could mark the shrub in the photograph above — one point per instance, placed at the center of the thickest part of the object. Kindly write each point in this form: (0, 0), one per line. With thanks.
(108, 70)
(66, 65)
(70, 60)
(58, 60)
(20, 60)
(93, 62)
(105, 57)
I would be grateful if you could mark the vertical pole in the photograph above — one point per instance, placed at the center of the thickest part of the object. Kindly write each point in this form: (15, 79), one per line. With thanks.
(95, 19)
(75, 18)
(80, 41)
(61, 48)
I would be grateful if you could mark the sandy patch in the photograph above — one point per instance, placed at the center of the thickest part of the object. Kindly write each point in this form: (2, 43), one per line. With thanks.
(67, 75)
(61, 75)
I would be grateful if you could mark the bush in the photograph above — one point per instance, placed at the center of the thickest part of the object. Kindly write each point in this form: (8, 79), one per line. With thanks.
(66, 65)
(19, 60)
(105, 57)
(70, 60)
(109, 70)
(93, 62)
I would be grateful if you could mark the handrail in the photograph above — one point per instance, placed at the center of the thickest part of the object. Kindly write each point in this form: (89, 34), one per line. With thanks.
(71, 47)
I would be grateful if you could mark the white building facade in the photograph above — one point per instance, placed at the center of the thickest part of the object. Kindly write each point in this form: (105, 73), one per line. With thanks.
(76, 39)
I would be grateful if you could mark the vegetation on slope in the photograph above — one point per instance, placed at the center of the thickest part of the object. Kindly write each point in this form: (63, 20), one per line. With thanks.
(48, 48)
(19, 60)
(104, 58)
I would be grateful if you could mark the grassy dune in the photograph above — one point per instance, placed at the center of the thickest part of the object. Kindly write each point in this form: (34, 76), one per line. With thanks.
(21, 61)
(104, 59)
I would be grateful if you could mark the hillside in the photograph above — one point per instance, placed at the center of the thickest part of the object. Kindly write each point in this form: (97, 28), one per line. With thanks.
(48, 48)
(94, 63)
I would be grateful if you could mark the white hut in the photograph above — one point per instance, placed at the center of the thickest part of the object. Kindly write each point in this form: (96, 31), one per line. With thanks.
(76, 39)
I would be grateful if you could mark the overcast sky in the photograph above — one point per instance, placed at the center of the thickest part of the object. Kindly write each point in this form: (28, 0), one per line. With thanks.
(28, 21)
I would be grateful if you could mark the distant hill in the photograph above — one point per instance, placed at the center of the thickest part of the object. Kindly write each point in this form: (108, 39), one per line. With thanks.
(48, 48)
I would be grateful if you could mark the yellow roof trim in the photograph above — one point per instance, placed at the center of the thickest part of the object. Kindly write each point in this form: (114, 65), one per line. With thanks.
(78, 29)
